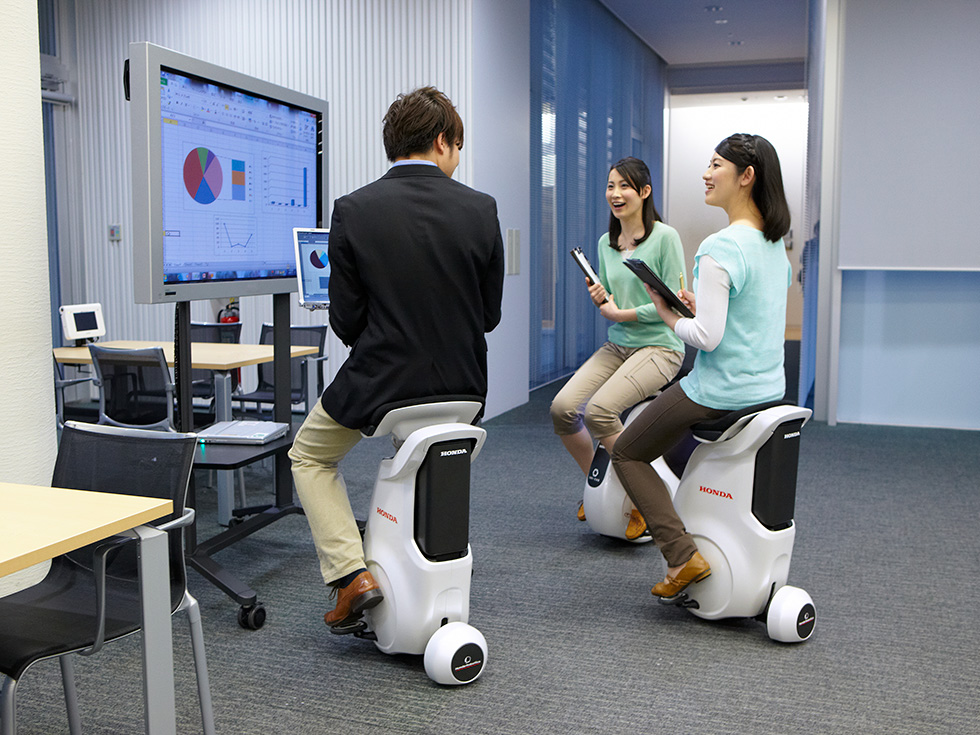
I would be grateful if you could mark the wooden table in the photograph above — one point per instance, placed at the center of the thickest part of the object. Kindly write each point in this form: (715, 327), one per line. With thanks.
(39, 523)
(220, 357)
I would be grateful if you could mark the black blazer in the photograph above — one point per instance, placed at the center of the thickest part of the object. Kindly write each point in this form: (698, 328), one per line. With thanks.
(416, 279)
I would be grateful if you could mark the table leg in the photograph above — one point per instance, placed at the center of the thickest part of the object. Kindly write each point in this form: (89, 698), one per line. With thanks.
(225, 479)
(158, 652)
(312, 370)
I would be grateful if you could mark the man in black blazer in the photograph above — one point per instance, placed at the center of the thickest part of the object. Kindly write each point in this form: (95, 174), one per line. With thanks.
(416, 280)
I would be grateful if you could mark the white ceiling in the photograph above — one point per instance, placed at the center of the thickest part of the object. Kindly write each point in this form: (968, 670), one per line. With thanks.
(719, 31)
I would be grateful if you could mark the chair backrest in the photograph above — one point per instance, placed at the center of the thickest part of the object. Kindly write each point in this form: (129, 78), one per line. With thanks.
(307, 335)
(129, 462)
(220, 332)
(135, 387)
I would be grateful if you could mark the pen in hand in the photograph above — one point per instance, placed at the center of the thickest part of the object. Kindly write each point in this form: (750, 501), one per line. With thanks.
(682, 280)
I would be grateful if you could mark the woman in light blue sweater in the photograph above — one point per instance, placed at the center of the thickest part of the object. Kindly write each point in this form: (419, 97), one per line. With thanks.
(741, 276)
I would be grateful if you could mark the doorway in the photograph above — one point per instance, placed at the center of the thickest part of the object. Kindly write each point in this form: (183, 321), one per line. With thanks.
(696, 123)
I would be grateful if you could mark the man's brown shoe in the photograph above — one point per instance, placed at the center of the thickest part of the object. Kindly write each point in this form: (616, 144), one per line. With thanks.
(361, 594)
(636, 527)
(694, 571)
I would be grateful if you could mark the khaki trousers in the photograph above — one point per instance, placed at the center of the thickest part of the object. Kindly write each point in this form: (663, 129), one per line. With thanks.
(319, 446)
(608, 383)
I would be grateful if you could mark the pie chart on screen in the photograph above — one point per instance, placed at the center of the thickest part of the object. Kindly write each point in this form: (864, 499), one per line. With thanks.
(202, 175)
(319, 258)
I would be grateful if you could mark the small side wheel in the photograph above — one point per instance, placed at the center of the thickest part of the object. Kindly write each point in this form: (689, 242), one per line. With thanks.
(455, 654)
(251, 617)
(791, 615)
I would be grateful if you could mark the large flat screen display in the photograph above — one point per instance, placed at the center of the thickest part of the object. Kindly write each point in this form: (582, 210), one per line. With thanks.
(224, 167)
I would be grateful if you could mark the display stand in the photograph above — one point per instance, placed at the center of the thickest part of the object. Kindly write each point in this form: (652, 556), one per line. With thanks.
(251, 614)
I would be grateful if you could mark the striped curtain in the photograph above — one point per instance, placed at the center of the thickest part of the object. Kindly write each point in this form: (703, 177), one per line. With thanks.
(597, 95)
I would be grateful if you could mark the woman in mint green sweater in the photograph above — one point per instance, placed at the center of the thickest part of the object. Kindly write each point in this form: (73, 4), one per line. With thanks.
(642, 353)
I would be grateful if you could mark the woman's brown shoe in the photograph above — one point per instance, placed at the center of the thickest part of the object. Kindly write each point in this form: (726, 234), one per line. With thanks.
(694, 571)
(636, 527)
(581, 511)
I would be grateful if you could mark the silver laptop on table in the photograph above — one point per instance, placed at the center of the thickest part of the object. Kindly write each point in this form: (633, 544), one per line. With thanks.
(242, 432)
(312, 266)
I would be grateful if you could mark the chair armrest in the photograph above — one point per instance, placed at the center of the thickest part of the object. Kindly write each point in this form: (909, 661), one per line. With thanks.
(186, 519)
(72, 381)
(99, 554)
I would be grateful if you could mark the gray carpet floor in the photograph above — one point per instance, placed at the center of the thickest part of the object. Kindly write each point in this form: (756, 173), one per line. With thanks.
(888, 544)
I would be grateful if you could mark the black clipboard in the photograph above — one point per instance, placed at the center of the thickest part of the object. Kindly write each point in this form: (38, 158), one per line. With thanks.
(579, 257)
(584, 264)
(643, 272)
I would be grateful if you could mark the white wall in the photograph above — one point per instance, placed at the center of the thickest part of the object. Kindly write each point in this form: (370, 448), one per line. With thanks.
(356, 55)
(696, 125)
(500, 131)
(898, 347)
(27, 410)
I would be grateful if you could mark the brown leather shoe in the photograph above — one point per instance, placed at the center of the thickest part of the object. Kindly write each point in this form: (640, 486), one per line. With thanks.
(581, 511)
(636, 527)
(361, 594)
(695, 570)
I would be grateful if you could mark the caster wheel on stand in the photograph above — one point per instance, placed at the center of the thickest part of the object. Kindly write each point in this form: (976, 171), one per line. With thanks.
(251, 617)
(455, 654)
(791, 615)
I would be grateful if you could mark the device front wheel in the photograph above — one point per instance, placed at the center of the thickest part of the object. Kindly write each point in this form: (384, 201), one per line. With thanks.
(791, 615)
(455, 654)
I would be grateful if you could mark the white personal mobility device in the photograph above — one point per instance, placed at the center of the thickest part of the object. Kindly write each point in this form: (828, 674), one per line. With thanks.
(416, 540)
(736, 497)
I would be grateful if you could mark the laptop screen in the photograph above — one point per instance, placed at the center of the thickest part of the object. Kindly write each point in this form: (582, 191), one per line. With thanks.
(312, 265)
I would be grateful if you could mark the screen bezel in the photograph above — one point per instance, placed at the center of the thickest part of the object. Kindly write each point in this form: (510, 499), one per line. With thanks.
(146, 61)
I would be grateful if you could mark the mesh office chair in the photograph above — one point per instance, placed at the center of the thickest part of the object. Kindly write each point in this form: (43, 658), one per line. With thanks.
(315, 335)
(92, 596)
(202, 381)
(135, 387)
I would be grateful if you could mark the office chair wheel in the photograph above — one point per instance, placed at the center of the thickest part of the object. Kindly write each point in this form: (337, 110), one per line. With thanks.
(791, 615)
(251, 617)
(455, 654)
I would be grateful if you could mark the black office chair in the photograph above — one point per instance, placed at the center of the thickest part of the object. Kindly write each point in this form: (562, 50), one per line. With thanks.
(92, 596)
(135, 387)
(202, 381)
(315, 335)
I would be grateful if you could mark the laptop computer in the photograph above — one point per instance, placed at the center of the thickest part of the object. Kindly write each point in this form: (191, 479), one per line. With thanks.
(242, 432)
(312, 266)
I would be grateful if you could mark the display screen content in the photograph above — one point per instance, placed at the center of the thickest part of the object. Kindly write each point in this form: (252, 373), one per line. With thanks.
(314, 265)
(85, 321)
(239, 173)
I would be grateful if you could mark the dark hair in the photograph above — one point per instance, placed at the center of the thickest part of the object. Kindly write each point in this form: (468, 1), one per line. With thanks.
(414, 121)
(637, 175)
(753, 150)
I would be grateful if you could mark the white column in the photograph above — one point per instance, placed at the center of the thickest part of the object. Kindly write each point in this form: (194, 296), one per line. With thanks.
(27, 450)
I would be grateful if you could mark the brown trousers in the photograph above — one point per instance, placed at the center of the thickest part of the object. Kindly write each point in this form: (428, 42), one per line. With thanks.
(661, 426)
